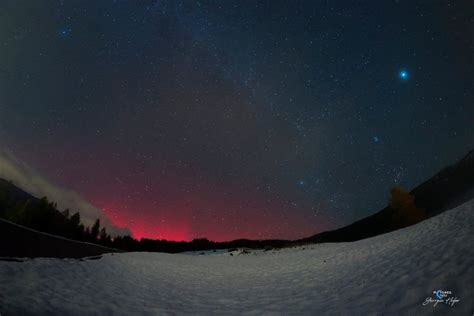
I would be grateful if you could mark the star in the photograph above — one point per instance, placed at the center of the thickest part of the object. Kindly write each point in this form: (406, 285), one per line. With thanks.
(403, 74)
(64, 32)
(375, 139)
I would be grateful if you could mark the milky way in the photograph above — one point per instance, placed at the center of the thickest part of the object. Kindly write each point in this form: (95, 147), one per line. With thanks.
(236, 119)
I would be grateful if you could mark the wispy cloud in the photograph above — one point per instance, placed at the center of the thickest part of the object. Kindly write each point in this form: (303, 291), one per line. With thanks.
(27, 179)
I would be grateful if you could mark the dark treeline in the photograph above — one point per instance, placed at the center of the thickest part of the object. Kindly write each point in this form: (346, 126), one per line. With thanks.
(43, 215)
(130, 244)
(40, 214)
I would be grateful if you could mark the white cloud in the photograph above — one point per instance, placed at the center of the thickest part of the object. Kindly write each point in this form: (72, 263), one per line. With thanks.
(27, 179)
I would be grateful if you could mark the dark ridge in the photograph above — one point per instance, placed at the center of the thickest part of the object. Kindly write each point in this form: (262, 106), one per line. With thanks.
(447, 189)
(22, 242)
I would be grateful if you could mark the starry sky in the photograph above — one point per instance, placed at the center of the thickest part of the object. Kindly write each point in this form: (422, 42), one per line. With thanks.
(236, 119)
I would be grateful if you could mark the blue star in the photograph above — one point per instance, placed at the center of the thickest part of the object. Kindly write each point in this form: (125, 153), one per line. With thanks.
(64, 32)
(403, 74)
(375, 139)
(301, 182)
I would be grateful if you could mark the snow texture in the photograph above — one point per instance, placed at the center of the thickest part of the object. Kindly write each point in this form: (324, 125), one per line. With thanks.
(391, 274)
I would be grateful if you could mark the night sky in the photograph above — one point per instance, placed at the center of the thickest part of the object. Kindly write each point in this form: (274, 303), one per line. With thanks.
(236, 119)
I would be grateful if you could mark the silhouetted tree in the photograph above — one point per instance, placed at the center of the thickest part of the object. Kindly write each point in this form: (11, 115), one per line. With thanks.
(75, 219)
(104, 237)
(103, 233)
(403, 203)
(95, 230)
(66, 213)
(87, 234)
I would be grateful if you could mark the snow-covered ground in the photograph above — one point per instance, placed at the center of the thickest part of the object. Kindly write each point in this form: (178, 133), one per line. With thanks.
(389, 274)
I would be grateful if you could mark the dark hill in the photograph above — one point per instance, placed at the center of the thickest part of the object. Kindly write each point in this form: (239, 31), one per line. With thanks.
(33, 227)
(447, 189)
(22, 242)
(11, 196)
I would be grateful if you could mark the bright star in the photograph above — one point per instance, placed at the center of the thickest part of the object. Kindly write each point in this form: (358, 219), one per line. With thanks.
(375, 139)
(403, 74)
(301, 182)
